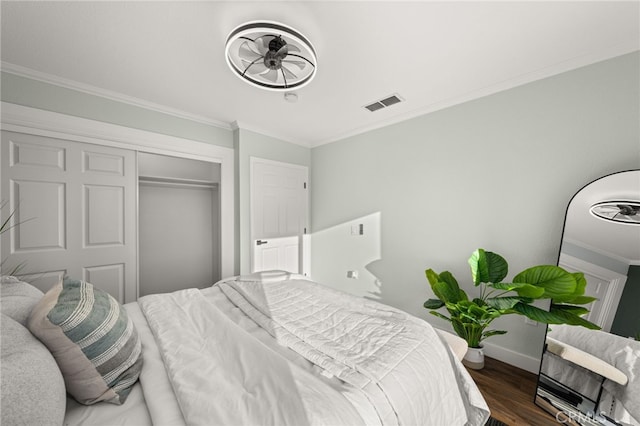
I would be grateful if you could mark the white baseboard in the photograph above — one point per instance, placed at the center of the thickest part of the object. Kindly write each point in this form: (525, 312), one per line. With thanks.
(525, 362)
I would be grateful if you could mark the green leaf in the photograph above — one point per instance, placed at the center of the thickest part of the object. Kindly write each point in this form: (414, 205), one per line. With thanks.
(448, 278)
(469, 319)
(575, 310)
(445, 286)
(523, 289)
(581, 300)
(566, 316)
(554, 316)
(503, 303)
(534, 313)
(439, 315)
(445, 293)
(459, 329)
(581, 283)
(498, 267)
(433, 304)
(479, 301)
(479, 267)
(477, 311)
(556, 282)
(432, 276)
(455, 308)
(487, 267)
(490, 333)
(462, 295)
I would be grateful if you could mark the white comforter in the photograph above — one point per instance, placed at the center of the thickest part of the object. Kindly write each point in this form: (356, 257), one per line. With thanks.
(369, 345)
(398, 371)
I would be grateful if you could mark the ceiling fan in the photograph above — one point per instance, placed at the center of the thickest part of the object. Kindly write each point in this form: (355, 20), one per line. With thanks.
(271, 56)
(618, 211)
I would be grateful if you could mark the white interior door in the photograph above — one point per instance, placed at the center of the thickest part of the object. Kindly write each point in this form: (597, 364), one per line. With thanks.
(277, 253)
(279, 209)
(76, 205)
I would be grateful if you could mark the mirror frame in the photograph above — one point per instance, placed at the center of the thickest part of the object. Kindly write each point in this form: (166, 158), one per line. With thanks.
(561, 416)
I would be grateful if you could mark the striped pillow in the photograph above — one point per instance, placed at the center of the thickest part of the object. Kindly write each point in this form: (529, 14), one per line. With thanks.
(91, 338)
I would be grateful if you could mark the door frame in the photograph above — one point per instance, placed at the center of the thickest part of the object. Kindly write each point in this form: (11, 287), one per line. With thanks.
(304, 246)
(22, 119)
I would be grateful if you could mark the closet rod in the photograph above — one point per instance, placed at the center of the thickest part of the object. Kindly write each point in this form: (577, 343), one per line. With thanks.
(176, 182)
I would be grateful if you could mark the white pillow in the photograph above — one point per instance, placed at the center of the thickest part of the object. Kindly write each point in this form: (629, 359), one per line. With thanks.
(32, 391)
(91, 338)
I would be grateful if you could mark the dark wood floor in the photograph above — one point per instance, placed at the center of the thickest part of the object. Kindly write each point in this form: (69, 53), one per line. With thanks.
(509, 393)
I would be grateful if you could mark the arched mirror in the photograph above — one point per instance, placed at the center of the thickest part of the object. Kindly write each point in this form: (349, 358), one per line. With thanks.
(592, 377)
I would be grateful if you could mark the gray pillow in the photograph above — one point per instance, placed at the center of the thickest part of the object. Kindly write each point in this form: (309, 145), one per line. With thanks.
(17, 298)
(92, 339)
(32, 391)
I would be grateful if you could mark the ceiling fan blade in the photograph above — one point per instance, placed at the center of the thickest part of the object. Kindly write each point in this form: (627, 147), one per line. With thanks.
(288, 73)
(293, 48)
(283, 51)
(257, 68)
(248, 51)
(262, 43)
(609, 210)
(272, 75)
(300, 64)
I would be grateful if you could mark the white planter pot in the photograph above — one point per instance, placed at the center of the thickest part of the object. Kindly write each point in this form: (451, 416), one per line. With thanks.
(474, 358)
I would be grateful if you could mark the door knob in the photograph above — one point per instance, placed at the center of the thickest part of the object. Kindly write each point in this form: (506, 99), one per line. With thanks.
(261, 242)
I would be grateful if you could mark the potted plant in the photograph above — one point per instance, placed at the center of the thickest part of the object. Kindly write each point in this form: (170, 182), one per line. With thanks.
(471, 317)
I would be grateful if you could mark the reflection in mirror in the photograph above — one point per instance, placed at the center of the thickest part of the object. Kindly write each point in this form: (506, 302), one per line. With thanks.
(592, 377)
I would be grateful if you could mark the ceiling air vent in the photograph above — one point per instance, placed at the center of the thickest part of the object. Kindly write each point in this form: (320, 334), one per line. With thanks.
(383, 103)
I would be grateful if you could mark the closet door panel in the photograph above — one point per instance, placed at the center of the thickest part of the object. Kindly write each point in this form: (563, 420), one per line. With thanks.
(77, 205)
(110, 278)
(98, 162)
(30, 155)
(43, 228)
(104, 215)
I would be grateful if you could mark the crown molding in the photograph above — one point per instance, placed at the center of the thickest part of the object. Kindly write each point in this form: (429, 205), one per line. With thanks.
(29, 73)
(237, 125)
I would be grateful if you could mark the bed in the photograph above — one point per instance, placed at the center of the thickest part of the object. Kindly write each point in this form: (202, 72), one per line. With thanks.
(269, 348)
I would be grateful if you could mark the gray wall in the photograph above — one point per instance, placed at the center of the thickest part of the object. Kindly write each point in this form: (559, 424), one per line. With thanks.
(495, 173)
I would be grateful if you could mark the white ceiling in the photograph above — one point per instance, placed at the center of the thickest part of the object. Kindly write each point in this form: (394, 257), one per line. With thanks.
(170, 55)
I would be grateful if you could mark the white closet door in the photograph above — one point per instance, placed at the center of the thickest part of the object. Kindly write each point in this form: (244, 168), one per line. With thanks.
(76, 205)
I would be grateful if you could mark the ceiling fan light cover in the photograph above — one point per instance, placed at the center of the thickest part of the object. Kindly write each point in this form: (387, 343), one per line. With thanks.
(626, 212)
(271, 56)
